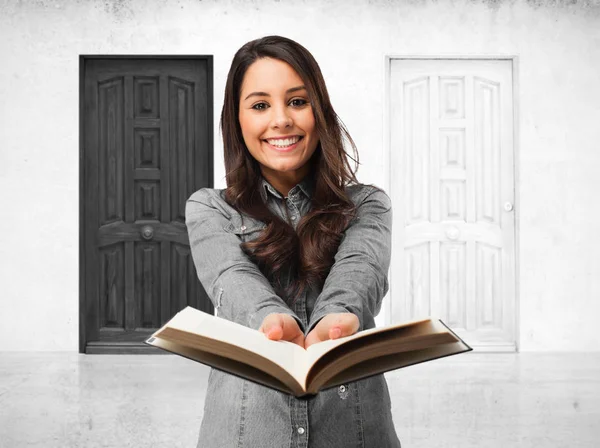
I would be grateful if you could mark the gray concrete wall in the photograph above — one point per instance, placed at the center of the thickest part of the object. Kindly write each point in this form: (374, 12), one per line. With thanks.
(558, 129)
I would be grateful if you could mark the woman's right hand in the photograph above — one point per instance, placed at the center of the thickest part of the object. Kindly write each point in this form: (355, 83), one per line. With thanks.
(278, 326)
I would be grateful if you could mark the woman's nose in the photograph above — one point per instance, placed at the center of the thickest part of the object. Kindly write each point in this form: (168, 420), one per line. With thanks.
(282, 119)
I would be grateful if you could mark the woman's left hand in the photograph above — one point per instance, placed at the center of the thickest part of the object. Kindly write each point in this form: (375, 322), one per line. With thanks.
(333, 326)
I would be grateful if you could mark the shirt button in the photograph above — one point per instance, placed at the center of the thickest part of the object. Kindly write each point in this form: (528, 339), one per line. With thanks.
(301, 430)
(293, 218)
(243, 228)
(343, 391)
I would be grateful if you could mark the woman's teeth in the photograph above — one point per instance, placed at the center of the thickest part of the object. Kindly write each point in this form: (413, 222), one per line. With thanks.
(282, 143)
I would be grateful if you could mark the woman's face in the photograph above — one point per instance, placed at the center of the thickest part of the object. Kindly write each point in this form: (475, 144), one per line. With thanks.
(277, 122)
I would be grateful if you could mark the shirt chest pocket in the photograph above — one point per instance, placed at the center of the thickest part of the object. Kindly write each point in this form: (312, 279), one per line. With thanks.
(246, 228)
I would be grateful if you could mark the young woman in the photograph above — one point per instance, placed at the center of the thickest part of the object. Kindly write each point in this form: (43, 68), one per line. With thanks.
(294, 247)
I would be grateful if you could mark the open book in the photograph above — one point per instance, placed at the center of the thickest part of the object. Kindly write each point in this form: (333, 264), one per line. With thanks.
(287, 367)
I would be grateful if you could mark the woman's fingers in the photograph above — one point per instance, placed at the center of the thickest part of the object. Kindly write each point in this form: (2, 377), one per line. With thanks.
(299, 340)
(333, 326)
(272, 326)
(335, 332)
(275, 332)
(277, 326)
(337, 325)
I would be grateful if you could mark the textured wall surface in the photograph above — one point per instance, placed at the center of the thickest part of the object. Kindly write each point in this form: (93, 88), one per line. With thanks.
(557, 133)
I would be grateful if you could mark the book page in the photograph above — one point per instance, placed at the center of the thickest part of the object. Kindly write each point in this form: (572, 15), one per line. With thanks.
(316, 351)
(288, 355)
(394, 361)
(226, 365)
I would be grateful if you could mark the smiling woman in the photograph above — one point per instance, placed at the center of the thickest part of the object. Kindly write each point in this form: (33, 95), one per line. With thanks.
(277, 122)
(295, 248)
(275, 89)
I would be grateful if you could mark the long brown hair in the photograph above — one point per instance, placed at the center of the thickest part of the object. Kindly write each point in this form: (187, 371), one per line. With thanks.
(307, 254)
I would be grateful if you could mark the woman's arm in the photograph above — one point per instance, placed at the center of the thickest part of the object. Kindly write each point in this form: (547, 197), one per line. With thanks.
(232, 281)
(357, 281)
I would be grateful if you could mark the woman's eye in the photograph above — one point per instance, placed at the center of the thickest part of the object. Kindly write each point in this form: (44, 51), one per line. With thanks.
(296, 102)
(259, 108)
(299, 102)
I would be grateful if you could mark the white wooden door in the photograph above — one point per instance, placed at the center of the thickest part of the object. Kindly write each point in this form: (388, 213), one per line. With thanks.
(452, 183)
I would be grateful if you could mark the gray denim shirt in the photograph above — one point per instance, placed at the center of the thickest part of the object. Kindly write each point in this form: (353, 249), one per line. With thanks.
(243, 414)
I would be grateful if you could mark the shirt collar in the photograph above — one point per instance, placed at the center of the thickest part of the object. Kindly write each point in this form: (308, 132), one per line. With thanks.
(306, 186)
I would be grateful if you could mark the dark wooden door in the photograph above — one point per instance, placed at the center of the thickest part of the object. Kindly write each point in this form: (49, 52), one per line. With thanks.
(146, 136)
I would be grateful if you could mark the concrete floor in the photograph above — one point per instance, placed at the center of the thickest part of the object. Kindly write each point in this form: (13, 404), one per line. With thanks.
(471, 400)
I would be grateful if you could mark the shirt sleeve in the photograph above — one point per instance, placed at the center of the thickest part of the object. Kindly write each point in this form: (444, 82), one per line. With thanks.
(357, 281)
(234, 284)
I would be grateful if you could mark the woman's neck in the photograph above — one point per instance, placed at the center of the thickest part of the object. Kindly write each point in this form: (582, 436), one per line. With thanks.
(284, 182)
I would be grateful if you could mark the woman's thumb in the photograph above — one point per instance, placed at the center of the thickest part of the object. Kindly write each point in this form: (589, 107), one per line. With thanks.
(272, 327)
(344, 324)
(335, 333)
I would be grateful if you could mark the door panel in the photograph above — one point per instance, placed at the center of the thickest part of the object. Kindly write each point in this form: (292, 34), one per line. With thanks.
(148, 146)
(452, 145)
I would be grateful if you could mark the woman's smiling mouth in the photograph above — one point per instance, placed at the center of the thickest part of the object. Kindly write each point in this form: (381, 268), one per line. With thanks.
(284, 144)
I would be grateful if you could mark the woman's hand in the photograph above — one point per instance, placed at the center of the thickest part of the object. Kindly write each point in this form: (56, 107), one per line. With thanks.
(278, 326)
(333, 326)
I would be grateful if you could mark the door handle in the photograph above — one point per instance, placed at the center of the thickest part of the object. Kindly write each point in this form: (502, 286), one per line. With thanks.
(452, 233)
(147, 232)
